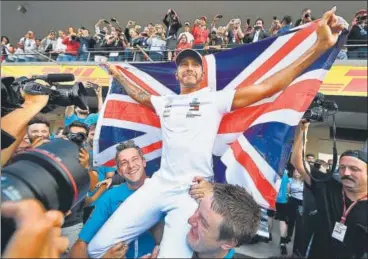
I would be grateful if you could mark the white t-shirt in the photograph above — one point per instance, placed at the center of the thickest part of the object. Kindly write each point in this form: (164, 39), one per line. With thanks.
(296, 189)
(189, 125)
(190, 37)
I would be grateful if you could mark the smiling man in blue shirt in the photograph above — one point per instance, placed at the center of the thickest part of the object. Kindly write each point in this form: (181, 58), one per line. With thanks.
(131, 165)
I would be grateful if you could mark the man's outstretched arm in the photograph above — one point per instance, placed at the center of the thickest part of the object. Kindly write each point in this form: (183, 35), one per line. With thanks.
(328, 30)
(136, 93)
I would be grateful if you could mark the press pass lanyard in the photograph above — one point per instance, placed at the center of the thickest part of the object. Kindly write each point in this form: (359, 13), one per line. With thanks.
(347, 211)
(340, 228)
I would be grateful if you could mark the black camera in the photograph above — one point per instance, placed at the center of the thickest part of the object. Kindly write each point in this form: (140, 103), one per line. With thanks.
(307, 15)
(77, 138)
(11, 92)
(320, 109)
(73, 37)
(50, 173)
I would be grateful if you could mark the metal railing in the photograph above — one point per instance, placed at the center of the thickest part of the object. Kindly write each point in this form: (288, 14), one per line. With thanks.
(359, 52)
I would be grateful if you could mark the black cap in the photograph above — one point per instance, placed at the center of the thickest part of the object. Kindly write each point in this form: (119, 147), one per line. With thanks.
(188, 53)
(361, 155)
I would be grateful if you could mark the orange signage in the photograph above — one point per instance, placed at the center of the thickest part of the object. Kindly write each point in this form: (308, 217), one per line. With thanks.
(340, 80)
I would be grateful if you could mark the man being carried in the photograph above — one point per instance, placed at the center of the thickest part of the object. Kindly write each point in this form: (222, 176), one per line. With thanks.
(189, 124)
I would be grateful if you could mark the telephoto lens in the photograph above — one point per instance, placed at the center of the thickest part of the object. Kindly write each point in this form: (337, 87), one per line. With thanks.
(50, 173)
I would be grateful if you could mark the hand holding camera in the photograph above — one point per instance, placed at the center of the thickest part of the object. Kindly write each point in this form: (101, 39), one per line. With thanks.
(38, 232)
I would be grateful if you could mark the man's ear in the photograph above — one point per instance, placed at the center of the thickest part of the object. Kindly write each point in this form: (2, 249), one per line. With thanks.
(176, 76)
(228, 244)
(144, 162)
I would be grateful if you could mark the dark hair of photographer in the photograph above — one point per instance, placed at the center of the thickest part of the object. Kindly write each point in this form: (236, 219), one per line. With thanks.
(341, 229)
(77, 126)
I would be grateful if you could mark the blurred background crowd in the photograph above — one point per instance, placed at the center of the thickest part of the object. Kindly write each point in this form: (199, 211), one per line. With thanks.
(113, 40)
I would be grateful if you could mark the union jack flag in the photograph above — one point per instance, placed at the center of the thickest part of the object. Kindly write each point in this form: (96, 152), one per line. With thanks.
(253, 144)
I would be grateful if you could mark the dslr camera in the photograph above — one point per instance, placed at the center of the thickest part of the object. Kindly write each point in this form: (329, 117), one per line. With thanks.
(50, 173)
(320, 109)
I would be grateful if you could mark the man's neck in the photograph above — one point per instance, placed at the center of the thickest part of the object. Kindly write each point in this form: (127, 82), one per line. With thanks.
(353, 196)
(218, 254)
(136, 185)
(189, 90)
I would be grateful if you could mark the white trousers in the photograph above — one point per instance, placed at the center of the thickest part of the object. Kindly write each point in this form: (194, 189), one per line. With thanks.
(142, 210)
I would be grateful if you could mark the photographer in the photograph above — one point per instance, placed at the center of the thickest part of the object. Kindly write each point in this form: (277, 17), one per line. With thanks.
(173, 24)
(358, 36)
(156, 47)
(214, 43)
(73, 113)
(200, 32)
(76, 132)
(306, 17)
(13, 129)
(72, 48)
(48, 44)
(87, 43)
(234, 32)
(341, 225)
(115, 42)
(258, 33)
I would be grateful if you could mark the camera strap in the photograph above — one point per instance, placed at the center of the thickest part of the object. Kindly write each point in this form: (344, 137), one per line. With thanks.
(334, 159)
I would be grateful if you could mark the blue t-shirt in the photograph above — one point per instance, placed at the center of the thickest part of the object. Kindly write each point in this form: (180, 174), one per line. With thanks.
(89, 120)
(230, 254)
(104, 208)
(101, 173)
(283, 192)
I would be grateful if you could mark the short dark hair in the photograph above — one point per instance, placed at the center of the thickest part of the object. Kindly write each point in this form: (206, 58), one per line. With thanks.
(77, 124)
(125, 145)
(39, 120)
(241, 214)
(310, 154)
(259, 19)
(287, 19)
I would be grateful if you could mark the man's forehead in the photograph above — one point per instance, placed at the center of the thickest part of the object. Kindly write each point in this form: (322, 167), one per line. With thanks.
(128, 153)
(38, 125)
(352, 161)
(189, 59)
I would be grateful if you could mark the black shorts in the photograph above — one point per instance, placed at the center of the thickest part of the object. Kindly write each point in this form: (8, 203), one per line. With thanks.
(282, 210)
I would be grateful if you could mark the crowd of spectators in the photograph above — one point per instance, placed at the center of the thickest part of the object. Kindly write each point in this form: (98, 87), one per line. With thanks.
(157, 42)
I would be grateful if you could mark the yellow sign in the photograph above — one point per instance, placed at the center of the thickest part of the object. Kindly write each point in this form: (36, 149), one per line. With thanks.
(341, 80)
(85, 73)
(345, 81)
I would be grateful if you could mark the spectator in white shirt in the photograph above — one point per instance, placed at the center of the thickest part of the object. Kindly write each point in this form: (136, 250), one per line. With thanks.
(19, 53)
(156, 47)
(60, 47)
(30, 46)
(187, 33)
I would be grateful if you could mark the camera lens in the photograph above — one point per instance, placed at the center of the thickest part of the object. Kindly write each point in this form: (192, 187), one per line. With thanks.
(77, 138)
(76, 95)
(51, 173)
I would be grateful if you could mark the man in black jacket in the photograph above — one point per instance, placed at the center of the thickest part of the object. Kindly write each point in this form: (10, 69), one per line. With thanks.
(258, 34)
(173, 24)
(358, 36)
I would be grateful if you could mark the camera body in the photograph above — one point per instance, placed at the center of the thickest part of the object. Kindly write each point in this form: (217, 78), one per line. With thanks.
(11, 97)
(77, 138)
(320, 109)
